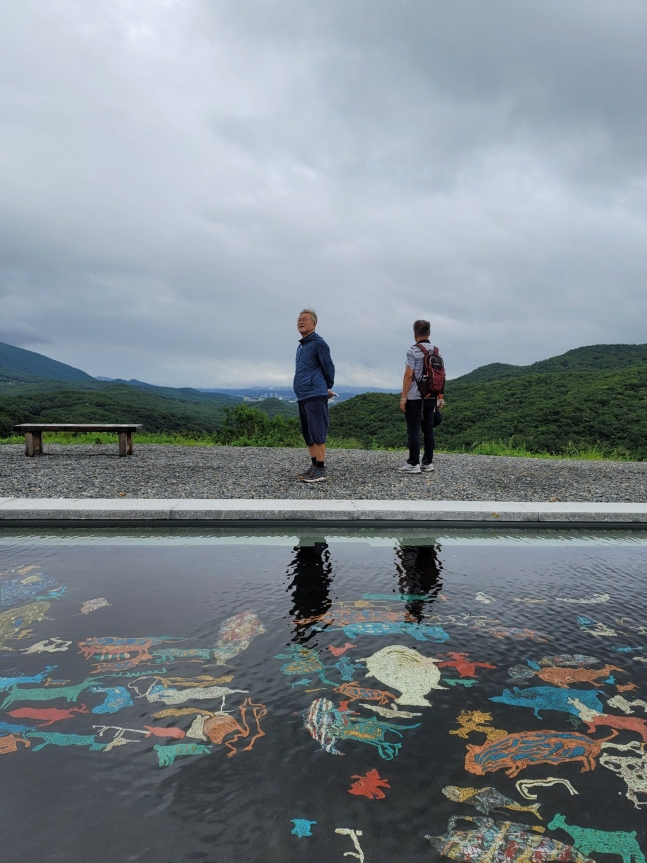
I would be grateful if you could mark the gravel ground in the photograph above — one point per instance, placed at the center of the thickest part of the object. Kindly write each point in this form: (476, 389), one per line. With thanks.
(234, 472)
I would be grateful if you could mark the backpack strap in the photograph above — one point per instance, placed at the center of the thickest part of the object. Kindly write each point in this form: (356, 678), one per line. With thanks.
(424, 350)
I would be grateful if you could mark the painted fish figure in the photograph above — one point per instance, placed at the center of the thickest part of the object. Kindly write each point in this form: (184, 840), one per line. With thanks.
(92, 604)
(235, 635)
(303, 660)
(324, 723)
(501, 842)
(18, 590)
(117, 697)
(484, 800)
(14, 619)
(407, 670)
(419, 631)
(549, 698)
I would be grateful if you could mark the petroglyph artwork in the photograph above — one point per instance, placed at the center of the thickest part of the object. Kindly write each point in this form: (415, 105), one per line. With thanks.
(118, 654)
(483, 597)
(235, 635)
(340, 617)
(621, 703)
(172, 732)
(175, 654)
(10, 742)
(486, 800)
(167, 754)
(515, 633)
(168, 695)
(390, 712)
(549, 698)
(593, 718)
(47, 716)
(596, 599)
(475, 720)
(117, 697)
(337, 651)
(69, 693)
(587, 840)
(355, 691)
(523, 786)
(515, 752)
(418, 631)
(305, 681)
(504, 842)
(407, 670)
(303, 660)
(215, 727)
(48, 645)
(14, 619)
(346, 668)
(565, 676)
(464, 666)
(459, 681)
(53, 738)
(119, 738)
(8, 682)
(567, 660)
(91, 605)
(353, 834)
(594, 627)
(369, 785)
(626, 687)
(200, 680)
(28, 587)
(631, 768)
(520, 673)
(302, 827)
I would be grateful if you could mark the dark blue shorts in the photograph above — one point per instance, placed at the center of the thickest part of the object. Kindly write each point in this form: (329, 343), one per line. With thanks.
(314, 421)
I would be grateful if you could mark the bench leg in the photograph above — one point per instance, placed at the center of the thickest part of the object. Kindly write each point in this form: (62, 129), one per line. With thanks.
(33, 443)
(123, 444)
(129, 443)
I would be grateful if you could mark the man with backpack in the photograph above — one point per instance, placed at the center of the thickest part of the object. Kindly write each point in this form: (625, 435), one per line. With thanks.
(422, 393)
(314, 376)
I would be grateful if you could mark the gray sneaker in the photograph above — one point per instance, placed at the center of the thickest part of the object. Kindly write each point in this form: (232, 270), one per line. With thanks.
(317, 474)
(426, 467)
(307, 472)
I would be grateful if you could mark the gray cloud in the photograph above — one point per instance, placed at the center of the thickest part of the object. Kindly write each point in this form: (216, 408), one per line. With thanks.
(178, 179)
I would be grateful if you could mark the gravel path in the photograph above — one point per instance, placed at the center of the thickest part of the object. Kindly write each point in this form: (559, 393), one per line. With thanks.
(235, 472)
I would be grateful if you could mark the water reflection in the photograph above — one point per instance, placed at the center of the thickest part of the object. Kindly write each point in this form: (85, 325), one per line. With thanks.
(310, 573)
(418, 572)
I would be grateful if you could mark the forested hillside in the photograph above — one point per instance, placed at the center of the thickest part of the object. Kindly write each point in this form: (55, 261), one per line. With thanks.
(19, 364)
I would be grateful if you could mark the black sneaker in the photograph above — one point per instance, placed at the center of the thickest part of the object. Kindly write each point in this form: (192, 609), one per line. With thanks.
(317, 474)
(307, 472)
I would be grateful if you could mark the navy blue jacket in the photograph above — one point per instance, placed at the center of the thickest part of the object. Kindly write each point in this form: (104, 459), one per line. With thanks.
(315, 373)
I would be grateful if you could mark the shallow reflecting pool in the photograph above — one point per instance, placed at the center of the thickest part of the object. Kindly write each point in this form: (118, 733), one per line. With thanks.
(213, 696)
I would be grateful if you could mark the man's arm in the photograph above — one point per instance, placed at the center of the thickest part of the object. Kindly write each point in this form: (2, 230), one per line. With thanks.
(326, 363)
(407, 380)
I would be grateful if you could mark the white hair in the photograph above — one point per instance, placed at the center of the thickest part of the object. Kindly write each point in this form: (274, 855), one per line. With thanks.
(310, 312)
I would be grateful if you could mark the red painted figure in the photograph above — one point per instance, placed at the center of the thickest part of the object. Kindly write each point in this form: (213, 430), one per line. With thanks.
(461, 663)
(370, 786)
(49, 715)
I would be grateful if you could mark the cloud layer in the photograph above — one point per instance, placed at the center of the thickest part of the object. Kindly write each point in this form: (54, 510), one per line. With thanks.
(179, 178)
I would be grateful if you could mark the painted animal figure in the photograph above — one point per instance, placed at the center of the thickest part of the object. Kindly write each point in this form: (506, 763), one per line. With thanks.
(91, 605)
(517, 634)
(391, 712)
(15, 729)
(631, 768)
(515, 752)
(621, 703)
(348, 616)
(176, 696)
(324, 723)
(166, 755)
(501, 842)
(462, 664)
(595, 627)
(373, 731)
(56, 739)
(10, 744)
(564, 676)
(337, 651)
(587, 840)
(122, 653)
(523, 786)
(235, 635)
(217, 726)
(172, 654)
(49, 715)
(474, 720)
(593, 718)
(407, 670)
(549, 698)
(485, 800)
(370, 785)
(175, 733)
(200, 680)
(354, 691)
(17, 590)
(303, 660)
(520, 673)
(69, 693)
(13, 620)
(419, 631)
(567, 660)
(117, 697)
(47, 645)
(8, 682)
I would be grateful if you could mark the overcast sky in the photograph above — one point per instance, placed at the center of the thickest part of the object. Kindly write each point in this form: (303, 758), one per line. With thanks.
(178, 178)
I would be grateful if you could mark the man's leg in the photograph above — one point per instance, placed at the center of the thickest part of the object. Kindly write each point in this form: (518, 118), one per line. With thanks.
(428, 409)
(307, 436)
(318, 451)
(318, 424)
(413, 415)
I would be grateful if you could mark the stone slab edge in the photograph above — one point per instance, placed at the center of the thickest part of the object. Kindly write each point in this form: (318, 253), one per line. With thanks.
(250, 510)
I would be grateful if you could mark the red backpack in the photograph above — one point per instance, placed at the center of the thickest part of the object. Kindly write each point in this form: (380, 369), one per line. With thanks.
(432, 380)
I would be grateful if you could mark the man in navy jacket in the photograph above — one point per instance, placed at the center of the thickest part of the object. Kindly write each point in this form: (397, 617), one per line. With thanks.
(313, 379)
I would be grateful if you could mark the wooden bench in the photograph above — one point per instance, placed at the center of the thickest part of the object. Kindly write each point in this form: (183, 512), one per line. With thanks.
(34, 434)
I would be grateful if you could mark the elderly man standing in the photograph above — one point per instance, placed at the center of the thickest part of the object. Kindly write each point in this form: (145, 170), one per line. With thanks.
(313, 378)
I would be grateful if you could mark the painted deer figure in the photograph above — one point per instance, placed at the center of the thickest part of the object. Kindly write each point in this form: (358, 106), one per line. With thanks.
(217, 726)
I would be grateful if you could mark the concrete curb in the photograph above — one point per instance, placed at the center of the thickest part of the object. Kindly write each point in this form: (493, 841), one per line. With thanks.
(17, 511)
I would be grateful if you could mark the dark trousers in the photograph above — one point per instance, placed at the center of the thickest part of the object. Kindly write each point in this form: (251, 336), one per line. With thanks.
(419, 414)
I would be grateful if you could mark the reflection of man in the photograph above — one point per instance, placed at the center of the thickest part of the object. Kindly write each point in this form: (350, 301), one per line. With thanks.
(314, 376)
(311, 577)
(419, 569)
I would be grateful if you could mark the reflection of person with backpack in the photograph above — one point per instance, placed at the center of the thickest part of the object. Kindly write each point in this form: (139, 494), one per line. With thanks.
(422, 394)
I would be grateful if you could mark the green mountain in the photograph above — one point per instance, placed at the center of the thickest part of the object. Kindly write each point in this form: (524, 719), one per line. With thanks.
(19, 364)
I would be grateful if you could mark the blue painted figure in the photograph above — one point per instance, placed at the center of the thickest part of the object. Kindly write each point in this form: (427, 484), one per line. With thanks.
(8, 682)
(18, 590)
(117, 697)
(549, 698)
(303, 660)
(346, 668)
(302, 827)
(305, 681)
(166, 755)
(419, 631)
(8, 728)
(57, 739)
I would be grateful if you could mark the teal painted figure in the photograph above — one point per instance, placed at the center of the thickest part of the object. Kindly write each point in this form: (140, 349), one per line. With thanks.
(172, 654)
(303, 660)
(166, 755)
(302, 827)
(18, 590)
(346, 668)
(8, 682)
(56, 739)
(117, 697)
(69, 693)
(419, 631)
(549, 698)
(587, 840)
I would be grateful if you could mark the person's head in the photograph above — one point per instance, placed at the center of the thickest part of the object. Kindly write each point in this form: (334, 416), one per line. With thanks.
(421, 330)
(306, 322)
